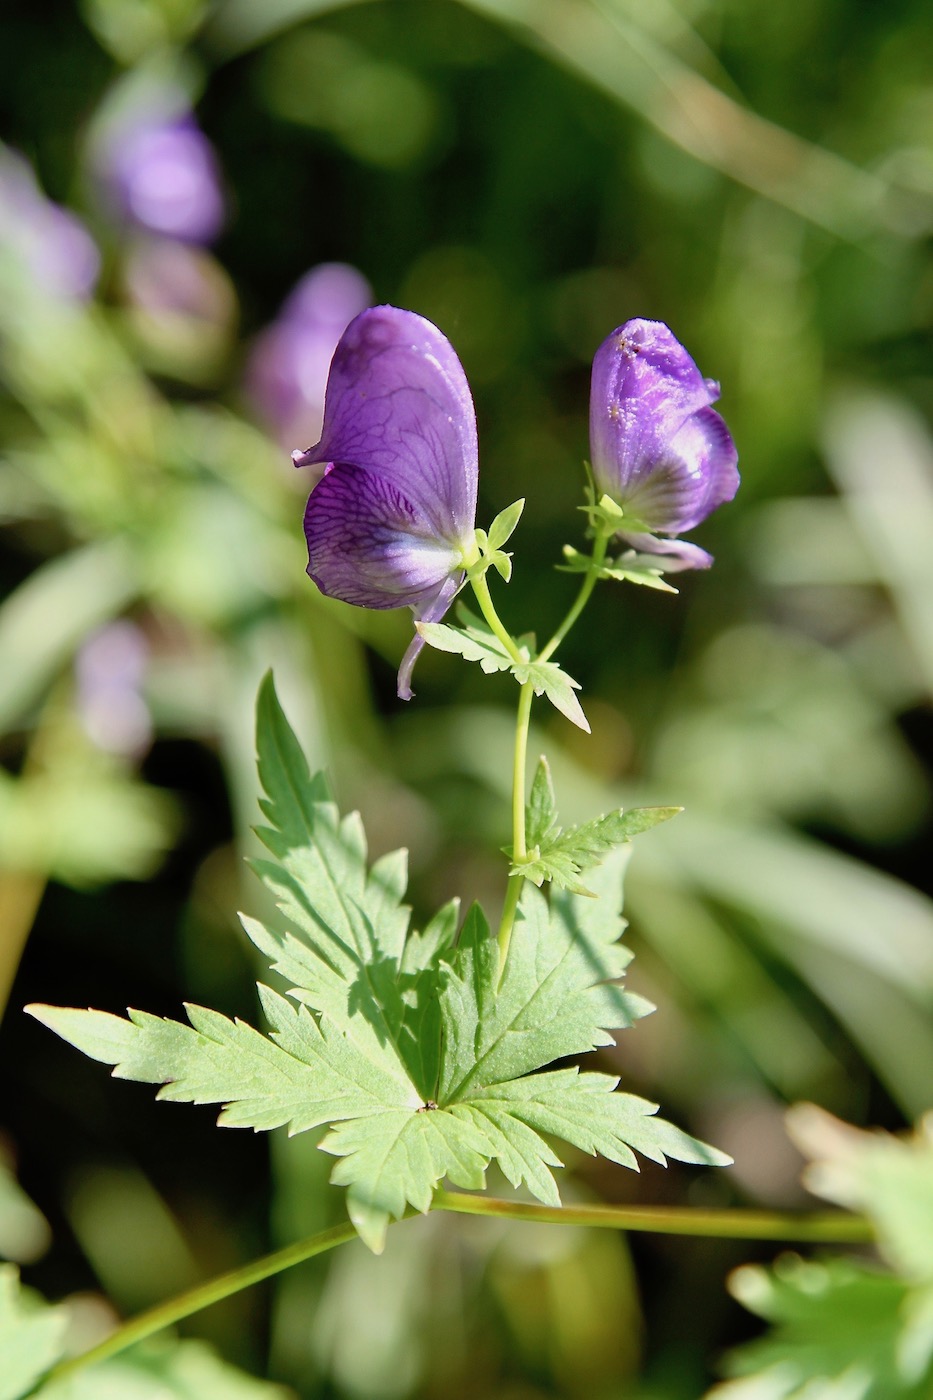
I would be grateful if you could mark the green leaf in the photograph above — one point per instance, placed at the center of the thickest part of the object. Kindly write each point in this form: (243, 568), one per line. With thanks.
(644, 569)
(32, 1341)
(541, 811)
(888, 1178)
(475, 642)
(503, 527)
(406, 1046)
(839, 1329)
(558, 993)
(163, 1369)
(548, 679)
(502, 563)
(31, 1336)
(561, 856)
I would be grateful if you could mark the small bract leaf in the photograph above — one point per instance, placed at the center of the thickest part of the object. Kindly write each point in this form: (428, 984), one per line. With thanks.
(503, 527)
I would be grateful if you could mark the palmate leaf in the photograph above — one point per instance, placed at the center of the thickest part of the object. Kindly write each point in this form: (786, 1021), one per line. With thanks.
(561, 856)
(406, 1044)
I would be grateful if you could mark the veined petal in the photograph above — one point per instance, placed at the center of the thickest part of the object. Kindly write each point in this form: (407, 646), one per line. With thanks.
(370, 545)
(678, 554)
(695, 473)
(398, 404)
(644, 386)
(657, 447)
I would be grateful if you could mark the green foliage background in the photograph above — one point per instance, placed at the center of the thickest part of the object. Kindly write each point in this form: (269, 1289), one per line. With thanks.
(529, 174)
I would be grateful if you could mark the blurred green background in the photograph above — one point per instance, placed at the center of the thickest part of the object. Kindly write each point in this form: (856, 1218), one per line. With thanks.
(528, 174)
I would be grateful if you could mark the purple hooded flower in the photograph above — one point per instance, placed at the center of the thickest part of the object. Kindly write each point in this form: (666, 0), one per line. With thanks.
(393, 512)
(161, 173)
(658, 449)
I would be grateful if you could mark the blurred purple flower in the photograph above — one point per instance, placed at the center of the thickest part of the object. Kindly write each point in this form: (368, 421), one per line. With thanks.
(287, 371)
(109, 671)
(165, 278)
(658, 449)
(389, 519)
(52, 244)
(160, 171)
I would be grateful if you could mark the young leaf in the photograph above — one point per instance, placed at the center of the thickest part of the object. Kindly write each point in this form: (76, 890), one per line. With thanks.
(541, 812)
(419, 1060)
(646, 569)
(503, 527)
(562, 856)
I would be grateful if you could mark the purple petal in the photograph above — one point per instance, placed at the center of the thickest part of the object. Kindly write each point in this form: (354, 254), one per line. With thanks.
(695, 473)
(704, 444)
(657, 447)
(432, 611)
(163, 173)
(369, 545)
(678, 554)
(398, 404)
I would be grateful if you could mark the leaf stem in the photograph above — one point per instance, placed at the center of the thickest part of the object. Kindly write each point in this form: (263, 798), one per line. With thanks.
(185, 1304)
(814, 1227)
(600, 545)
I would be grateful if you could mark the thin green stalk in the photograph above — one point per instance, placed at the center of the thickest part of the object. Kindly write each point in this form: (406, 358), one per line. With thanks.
(195, 1299)
(583, 597)
(488, 608)
(519, 852)
(814, 1227)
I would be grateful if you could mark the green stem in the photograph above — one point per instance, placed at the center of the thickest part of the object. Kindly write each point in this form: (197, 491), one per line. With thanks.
(519, 852)
(814, 1227)
(488, 609)
(601, 544)
(164, 1314)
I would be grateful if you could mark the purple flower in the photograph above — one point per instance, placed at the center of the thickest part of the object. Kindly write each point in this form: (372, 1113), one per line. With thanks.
(658, 449)
(161, 173)
(287, 370)
(52, 244)
(110, 669)
(393, 512)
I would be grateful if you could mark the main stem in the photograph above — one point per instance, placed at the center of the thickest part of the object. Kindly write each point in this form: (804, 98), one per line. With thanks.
(522, 722)
(519, 852)
(816, 1227)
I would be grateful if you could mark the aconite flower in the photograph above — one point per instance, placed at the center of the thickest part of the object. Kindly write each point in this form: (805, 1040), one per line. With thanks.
(160, 172)
(392, 516)
(657, 447)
